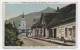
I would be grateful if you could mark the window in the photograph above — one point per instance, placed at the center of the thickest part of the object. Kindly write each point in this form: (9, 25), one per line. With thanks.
(60, 30)
(23, 24)
(70, 31)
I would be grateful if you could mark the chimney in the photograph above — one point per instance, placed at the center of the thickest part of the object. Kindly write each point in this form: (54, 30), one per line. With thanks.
(57, 8)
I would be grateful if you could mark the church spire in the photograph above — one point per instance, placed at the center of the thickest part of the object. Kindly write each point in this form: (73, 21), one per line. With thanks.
(23, 15)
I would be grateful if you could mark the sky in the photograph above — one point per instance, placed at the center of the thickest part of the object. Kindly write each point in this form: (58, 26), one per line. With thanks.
(16, 9)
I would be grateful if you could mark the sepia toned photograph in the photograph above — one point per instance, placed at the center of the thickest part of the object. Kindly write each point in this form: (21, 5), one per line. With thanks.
(33, 24)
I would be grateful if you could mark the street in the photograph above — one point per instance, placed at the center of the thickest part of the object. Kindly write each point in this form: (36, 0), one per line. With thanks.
(34, 42)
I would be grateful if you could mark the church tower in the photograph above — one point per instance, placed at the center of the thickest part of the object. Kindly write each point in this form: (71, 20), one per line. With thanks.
(22, 26)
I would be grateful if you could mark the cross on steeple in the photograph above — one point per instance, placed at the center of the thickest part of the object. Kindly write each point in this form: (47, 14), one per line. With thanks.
(23, 15)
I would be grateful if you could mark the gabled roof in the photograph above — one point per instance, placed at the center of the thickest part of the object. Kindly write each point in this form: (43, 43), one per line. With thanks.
(47, 17)
(66, 14)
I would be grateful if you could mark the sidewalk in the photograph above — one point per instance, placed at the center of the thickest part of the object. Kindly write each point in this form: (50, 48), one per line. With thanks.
(57, 42)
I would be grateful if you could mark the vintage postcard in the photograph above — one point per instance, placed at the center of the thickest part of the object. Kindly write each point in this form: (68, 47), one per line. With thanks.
(39, 24)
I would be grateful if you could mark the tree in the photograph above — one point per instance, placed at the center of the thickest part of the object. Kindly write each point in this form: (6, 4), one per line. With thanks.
(11, 34)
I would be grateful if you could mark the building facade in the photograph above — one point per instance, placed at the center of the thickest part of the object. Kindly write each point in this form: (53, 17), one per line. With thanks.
(60, 24)
(64, 25)
(22, 26)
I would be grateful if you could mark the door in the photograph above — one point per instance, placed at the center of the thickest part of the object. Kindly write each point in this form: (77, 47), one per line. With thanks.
(44, 32)
(70, 33)
(74, 34)
(55, 33)
(50, 33)
(65, 32)
(73, 31)
(23, 31)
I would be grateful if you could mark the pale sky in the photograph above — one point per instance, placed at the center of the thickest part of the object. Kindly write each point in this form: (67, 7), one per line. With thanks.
(14, 10)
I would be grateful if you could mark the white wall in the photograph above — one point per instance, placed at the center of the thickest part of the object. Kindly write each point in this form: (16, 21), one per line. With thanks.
(61, 30)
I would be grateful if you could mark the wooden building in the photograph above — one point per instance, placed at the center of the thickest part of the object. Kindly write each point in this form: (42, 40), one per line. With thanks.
(59, 24)
(63, 25)
(40, 29)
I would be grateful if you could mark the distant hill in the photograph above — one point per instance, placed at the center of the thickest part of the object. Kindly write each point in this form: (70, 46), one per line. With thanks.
(31, 16)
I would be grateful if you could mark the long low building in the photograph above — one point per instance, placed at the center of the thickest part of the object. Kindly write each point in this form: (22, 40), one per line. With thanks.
(59, 24)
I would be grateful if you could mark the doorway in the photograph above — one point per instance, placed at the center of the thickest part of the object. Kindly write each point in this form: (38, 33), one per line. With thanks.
(50, 33)
(70, 33)
(23, 31)
(55, 33)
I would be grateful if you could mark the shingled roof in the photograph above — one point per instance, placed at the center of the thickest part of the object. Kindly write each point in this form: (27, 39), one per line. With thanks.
(47, 17)
(66, 14)
(36, 25)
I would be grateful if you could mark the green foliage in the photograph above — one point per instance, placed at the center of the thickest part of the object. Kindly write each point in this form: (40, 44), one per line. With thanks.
(11, 36)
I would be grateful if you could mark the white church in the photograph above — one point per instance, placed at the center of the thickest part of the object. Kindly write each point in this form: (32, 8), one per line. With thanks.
(22, 26)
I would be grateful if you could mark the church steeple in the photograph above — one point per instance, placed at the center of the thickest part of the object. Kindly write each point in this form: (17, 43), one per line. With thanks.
(23, 15)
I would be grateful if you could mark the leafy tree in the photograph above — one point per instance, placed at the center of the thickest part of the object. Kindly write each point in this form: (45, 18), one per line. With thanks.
(11, 34)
